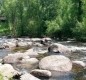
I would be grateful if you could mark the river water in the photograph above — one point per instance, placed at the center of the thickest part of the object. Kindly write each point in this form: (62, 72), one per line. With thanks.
(79, 54)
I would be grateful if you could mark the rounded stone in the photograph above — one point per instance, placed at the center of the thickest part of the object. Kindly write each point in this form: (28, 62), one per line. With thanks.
(56, 63)
(41, 73)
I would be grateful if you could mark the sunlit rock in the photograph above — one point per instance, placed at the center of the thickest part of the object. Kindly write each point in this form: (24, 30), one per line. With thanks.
(47, 39)
(56, 63)
(8, 71)
(24, 44)
(28, 76)
(36, 39)
(10, 45)
(14, 58)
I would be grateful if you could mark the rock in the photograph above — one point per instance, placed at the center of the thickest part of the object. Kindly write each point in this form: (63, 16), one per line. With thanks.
(32, 53)
(10, 45)
(26, 57)
(24, 44)
(8, 71)
(46, 41)
(59, 48)
(24, 39)
(30, 43)
(27, 39)
(43, 52)
(31, 60)
(56, 63)
(31, 63)
(47, 38)
(28, 76)
(20, 39)
(78, 66)
(35, 39)
(13, 58)
(37, 44)
(41, 73)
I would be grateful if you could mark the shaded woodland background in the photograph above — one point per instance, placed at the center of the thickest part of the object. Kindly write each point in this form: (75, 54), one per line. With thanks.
(62, 19)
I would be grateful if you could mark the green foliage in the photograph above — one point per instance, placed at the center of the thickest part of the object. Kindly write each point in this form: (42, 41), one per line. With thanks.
(52, 27)
(80, 31)
(35, 18)
(80, 27)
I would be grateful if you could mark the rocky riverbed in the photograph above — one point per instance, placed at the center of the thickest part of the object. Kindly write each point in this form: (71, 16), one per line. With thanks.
(42, 59)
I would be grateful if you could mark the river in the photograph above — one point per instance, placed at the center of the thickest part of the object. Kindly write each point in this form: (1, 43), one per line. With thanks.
(79, 54)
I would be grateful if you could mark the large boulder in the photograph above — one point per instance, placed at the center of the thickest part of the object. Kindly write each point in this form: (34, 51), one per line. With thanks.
(8, 71)
(78, 66)
(31, 63)
(28, 76)
(41, 73)
(59, 48)
(13, 58)
(56, 63)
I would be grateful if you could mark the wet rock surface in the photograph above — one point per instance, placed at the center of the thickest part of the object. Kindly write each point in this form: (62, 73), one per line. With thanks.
(41, 73)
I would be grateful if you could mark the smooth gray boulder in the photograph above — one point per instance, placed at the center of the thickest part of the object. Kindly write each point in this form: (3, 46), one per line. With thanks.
(56, 63)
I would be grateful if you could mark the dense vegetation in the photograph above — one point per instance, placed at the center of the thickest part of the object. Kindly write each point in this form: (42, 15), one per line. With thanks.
(36, 18)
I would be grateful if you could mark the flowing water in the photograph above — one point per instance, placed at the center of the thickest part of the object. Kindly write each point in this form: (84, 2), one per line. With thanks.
(80, 54)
